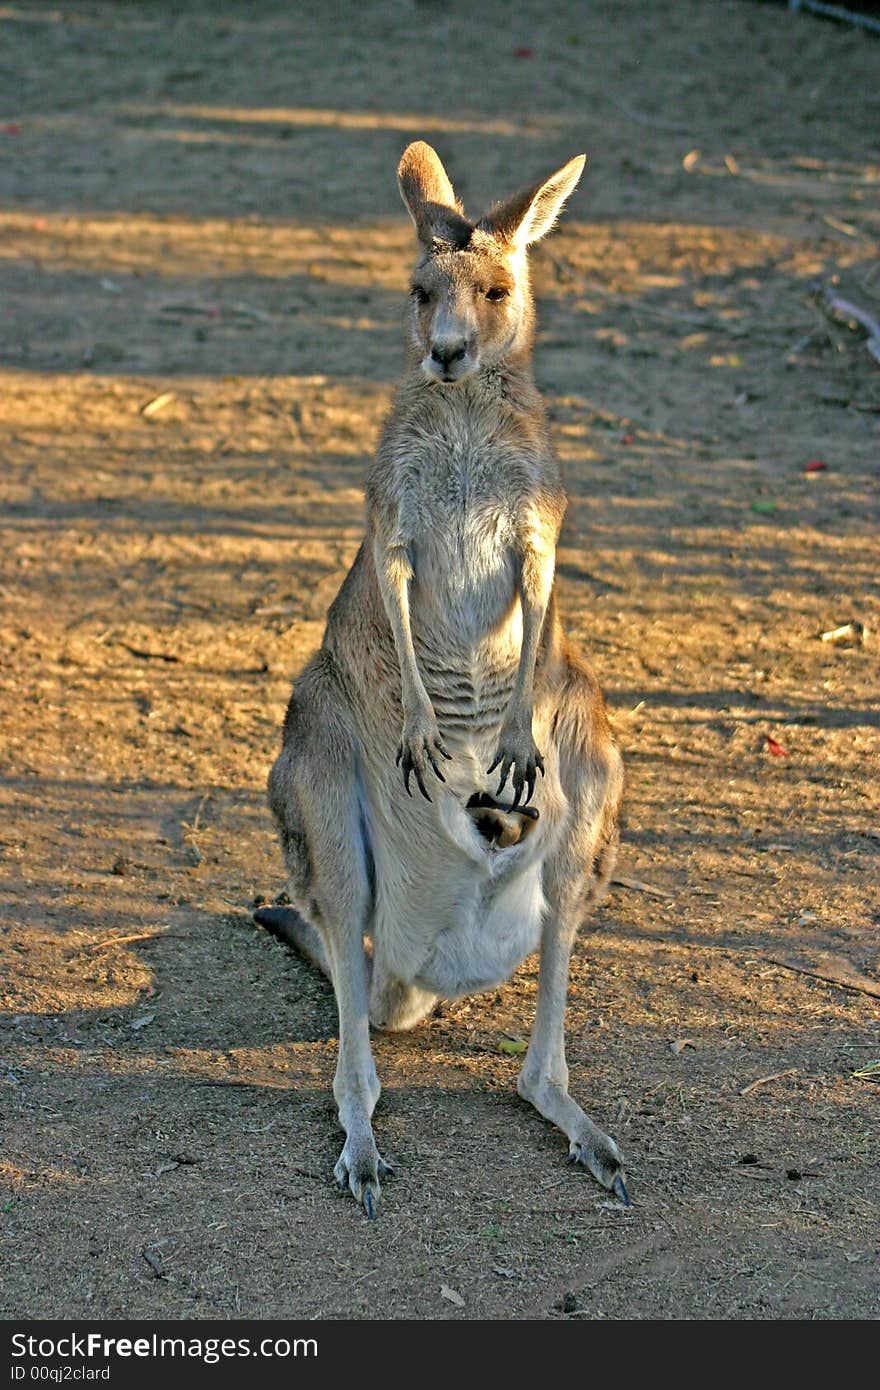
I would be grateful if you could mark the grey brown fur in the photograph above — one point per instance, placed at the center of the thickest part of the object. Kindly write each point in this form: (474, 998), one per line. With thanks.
(445, 708)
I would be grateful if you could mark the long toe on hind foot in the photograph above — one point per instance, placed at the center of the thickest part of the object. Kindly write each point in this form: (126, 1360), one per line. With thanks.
(359, 1168)
(598, 1153)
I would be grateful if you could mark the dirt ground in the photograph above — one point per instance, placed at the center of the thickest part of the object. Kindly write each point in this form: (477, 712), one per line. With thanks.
(199, 206)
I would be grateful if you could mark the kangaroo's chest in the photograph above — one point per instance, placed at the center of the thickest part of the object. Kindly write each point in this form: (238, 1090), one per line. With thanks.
(464, 565)
(463, 542)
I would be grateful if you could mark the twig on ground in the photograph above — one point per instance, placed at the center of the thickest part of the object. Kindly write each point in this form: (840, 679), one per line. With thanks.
(839, 973)
(152, 407)
(643, 118)
(639, 886)
(276, 610)
(215, 311)
(125, 940)
(847, 632)
(143, 655)
(845, 227)
(836, 304)
(838, 13)
(763, 1080)
(190, 830)
(194, 828)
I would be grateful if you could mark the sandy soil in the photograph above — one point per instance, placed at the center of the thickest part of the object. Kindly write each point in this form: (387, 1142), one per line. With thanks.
(202, 207)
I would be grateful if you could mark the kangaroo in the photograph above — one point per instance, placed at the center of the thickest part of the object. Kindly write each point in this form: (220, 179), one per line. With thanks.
(444, 671)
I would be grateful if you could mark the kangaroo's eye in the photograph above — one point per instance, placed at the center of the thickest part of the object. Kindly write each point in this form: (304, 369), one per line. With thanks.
(420, 295)
(496, 294)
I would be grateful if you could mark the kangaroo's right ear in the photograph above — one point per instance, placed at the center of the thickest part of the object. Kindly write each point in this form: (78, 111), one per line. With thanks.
(430, 198)
(530, 214)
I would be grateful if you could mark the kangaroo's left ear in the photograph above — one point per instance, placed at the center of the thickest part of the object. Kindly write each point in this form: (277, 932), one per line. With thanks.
(425, 188)
(529, 214)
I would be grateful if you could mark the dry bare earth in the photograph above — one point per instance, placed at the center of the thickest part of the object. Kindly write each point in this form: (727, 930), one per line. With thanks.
(203, 205)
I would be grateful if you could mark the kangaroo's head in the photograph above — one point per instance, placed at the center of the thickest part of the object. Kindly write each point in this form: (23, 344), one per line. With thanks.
(471, 299)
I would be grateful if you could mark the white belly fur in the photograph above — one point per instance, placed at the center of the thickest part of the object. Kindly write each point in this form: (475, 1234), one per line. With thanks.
(494, 933)
(453, 914)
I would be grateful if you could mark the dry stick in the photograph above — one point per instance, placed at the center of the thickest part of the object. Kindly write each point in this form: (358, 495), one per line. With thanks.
(838, 12)
(158, 403)
(242, 311)
(124, 940)
(852, 311)
(794, 181)
(838, 305)
(190, 831)
(275, 610)
(143, 655)
(643, 119)
(845, 227)
(868, 987)
(194, 828)
(801, 343)
(240, 1085)
(639, 886)
(762, 1080)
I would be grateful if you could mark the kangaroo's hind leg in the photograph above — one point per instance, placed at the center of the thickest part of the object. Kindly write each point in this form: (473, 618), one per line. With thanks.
(575, 876)
(313, 791)
(394, 1006)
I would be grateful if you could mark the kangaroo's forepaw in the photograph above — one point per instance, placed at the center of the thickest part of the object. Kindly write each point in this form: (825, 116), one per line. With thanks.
(518, 759)
(420, 745)
(598, 1153)
(359, 1168)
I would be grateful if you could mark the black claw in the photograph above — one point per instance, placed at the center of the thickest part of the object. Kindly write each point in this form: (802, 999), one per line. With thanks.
(407, 773)
(432, 760)
(539, 764)
(441, 747)
(530, 783)
(518, 791)
(399, 756)
(418, 772)
(618, 1187)
(368, 1205)
(494, 765)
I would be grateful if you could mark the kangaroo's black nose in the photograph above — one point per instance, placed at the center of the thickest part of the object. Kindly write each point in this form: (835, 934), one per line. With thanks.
(447, 353)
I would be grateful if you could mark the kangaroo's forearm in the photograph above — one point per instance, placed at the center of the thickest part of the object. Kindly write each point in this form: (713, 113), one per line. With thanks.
(522, 695)
(534, 585)
(395, 573)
